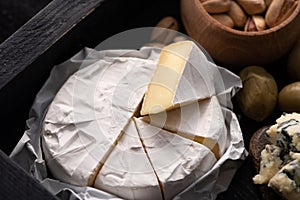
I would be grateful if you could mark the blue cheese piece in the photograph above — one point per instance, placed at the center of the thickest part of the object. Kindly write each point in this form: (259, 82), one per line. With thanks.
(280, 164)
(127, 172)
(270, 164)
(178, 162)
(287, 180)
(286, 132)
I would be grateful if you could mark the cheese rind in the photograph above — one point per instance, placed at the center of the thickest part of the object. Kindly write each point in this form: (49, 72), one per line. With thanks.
(127, 172)
(201, 121)
(88, 114)
(192, 78)
(177, 161)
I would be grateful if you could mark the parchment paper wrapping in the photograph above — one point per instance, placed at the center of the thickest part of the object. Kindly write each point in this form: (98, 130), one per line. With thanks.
(28, 152)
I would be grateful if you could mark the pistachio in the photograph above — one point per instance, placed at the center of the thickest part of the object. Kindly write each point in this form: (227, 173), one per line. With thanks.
(224, 19)
(237, 14)
(279, 10)
(268, 2)
(258, 97)
(216, 6)
(179, 38)
(253, 7)
(168, 22)
(154, 44)
(255, 23)
(289, 98)
(165, 30)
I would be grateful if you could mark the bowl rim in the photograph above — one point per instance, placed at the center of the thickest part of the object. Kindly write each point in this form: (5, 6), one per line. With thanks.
(245, 33)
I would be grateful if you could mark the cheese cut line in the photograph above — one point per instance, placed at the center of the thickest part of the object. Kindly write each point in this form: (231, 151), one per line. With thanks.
(96, 171)
(173, 122)
(145, 150)
(177, 161)
(128, 172)
(209, 143)
(81, 170)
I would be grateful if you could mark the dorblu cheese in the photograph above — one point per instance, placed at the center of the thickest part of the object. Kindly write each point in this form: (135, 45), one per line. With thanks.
(287, 180)
(270, 164)
(280, 161)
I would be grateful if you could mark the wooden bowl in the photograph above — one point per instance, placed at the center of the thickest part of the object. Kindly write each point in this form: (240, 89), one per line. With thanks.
(235, 49)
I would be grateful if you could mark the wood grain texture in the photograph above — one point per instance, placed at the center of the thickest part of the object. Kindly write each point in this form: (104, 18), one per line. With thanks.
(236, 49)
(42, 31)
(257, 144)
(13, 14)
(17, 184)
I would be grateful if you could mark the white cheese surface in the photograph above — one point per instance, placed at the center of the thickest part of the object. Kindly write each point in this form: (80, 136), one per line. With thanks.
(127, 172)
(177, 161)
(201, 121)
(88, 137)
(183, 75)
(88, 114)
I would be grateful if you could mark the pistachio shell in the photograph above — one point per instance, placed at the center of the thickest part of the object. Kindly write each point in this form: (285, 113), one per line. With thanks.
(154, 44)
(179, 38)
(268, 2)
(216, 6)
(279, 10)
(253, 7)
(255, 23)
(224, 19)
(237, 14)
(165, 30)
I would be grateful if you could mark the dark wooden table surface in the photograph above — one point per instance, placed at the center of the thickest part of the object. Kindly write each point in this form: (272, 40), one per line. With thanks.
(15, 13)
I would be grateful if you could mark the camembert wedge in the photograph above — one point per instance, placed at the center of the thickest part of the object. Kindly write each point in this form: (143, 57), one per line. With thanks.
(177, 161)
(201, 121)
(127, 172)
(181, 76)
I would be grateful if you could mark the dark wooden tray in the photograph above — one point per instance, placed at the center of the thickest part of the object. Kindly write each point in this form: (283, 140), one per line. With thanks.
(63, 28)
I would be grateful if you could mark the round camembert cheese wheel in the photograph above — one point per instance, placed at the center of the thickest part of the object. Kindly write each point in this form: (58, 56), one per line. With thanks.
(108, 127)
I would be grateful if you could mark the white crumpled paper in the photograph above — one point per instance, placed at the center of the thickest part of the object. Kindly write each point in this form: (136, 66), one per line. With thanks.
(28, 152)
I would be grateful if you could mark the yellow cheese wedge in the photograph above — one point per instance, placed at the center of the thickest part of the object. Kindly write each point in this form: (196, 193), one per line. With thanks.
(161, 91)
